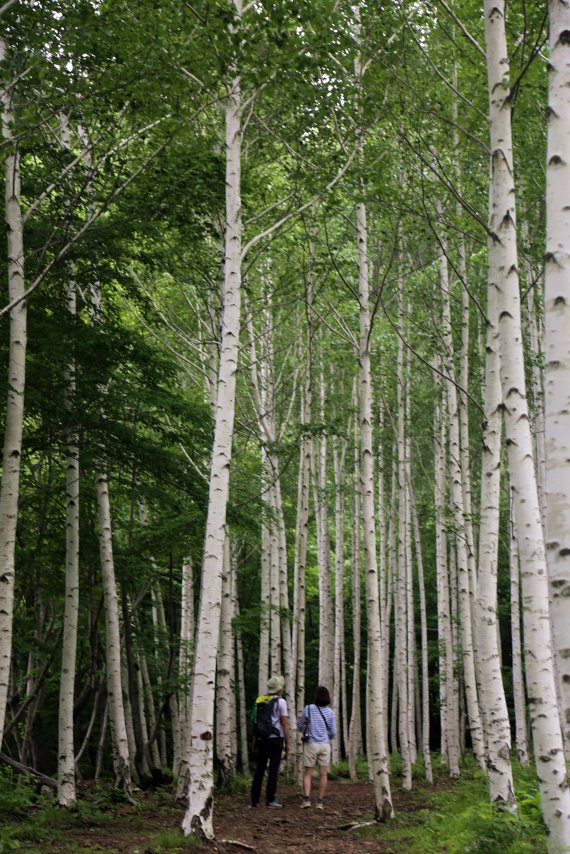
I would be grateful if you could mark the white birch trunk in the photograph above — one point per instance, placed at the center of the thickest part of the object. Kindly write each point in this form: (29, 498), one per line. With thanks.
(66, 794)
(447, 678)
(199, 815)
(535, 339)
(377, 752)
(465, 593)
(243, 744)
(12, 450)
(547, 737)
(185, 659)
(521, 729)
(410, 611)
(224, 752)
(355, 728)
(326, 616)
(424, 638)
(338, 466)
(557, 346)
(401, 591)
(121, 752)
(493, 703)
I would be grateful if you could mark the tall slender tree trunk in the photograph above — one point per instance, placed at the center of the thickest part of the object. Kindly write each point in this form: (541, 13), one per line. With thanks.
(402, 616)
(12, 449)
(424, 638)
(449, 719)
(521, 729)
(225, 669)
(326, 614)
(355, 728)
(199, 814)
(493, 702)
(465, 594)
(66, 765)
(377, 750)
(557, 345)
(338, 465)
(547, 736)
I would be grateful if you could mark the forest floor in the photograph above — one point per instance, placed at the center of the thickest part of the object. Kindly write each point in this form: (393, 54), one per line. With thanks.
(152, 826)
(450, 816)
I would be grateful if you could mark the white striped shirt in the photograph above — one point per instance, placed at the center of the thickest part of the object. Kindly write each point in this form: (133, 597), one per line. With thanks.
(321, 727)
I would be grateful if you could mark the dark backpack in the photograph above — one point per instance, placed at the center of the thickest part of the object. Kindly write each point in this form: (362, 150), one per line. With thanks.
(262, 717)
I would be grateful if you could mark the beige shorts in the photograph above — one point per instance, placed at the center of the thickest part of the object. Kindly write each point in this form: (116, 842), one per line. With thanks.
(316, 754)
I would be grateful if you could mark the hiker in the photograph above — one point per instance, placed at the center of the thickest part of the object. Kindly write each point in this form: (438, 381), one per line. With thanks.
(271, 740)
(318, 725)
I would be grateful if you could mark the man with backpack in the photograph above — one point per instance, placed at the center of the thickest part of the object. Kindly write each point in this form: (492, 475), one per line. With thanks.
(271, 739)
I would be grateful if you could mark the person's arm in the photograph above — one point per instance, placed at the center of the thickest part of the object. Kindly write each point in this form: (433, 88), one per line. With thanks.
(332, 725)
(285, 725)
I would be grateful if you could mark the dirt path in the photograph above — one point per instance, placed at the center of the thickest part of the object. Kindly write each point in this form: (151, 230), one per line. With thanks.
(138, 830)
(291, 829)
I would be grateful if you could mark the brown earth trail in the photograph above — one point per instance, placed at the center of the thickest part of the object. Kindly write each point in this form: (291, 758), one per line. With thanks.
(132, 830)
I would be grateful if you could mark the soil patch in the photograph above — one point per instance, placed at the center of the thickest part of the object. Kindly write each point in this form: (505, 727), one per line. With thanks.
(132, 830)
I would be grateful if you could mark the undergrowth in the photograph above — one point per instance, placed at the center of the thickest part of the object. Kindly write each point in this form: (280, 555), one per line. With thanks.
(459, 819)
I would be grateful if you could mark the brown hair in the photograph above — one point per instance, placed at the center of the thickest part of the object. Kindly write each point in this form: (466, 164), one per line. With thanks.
(322, 696)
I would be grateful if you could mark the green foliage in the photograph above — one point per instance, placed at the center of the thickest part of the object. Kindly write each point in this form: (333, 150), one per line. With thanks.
(174, 842)
(454, 817)
(16, 794)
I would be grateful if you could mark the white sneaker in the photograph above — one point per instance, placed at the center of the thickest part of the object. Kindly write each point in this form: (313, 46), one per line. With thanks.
(306, 803)
(320, 805)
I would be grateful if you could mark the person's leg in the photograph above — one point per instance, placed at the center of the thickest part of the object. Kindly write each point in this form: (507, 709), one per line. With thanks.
(275, 749)
(262, 757)
(323, 779)
(324, 759)
(307, 777)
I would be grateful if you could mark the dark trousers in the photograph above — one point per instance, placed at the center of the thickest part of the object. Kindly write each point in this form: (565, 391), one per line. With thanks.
(268, 750)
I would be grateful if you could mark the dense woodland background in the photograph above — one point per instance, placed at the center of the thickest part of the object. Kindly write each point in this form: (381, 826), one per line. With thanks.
(332, 184)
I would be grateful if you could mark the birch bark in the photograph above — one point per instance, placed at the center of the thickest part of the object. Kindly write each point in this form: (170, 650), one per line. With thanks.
(12, 450)
(557, 345)
(521, 731)
(225, 669)
(199, 814)
(377, 752)
(547, 737)
(355, 728)
(447, 677)
(493, 703)
(66, 795)
(66, 763)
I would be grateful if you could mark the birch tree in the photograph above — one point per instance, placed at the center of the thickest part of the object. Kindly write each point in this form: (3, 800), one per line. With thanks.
(547, 737)
(557, 344)
(12, 448)
(199, 814)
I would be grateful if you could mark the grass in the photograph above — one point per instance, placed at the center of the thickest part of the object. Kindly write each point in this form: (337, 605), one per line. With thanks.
(459, 818)
(447, 818)
(174, 842)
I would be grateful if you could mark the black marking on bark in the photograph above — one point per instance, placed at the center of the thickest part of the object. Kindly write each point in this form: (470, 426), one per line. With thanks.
(550, 258)
(564, 37)
(206, 736)
(504, 314)
(560, 300)
(564, 552)
(555, 160)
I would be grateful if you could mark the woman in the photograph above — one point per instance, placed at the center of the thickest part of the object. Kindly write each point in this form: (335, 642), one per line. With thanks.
(318, 725)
